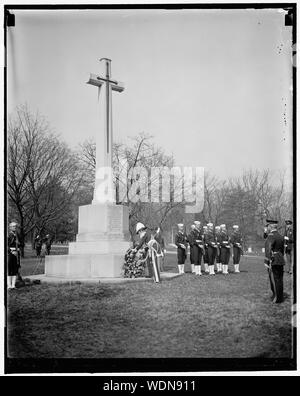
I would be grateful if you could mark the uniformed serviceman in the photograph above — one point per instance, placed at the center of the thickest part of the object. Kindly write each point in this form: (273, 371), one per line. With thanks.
(274, 260)
(205, 255)
(288, 244)
(181, 243)
(162, 249)
(211, 246)
(190, 241)
(225, 248)
(198, 247)
(12, 259)
(218, 249)
(38, 242)
(236, 241)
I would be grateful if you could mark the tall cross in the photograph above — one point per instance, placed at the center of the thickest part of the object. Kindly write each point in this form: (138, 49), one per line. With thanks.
(104, 139)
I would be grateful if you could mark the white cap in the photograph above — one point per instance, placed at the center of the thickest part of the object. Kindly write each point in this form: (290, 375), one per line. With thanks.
(223, 225)
(217, 227)
(180, 225)
(139, 227)
(235, 226)
(210, 225)
(197, 222)
(13, 223)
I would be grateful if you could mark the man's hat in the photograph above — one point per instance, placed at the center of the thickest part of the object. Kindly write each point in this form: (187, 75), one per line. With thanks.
(235, 226)
(287, 222)
(13, 223)
(210, 225)
(180, 225)
(197, 222)
(272, 222)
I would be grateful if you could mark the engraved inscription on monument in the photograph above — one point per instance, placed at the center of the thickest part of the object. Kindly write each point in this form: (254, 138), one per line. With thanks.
(114, 220)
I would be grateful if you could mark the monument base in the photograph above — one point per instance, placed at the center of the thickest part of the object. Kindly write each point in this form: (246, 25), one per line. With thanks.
(100, 246)
(84, 266)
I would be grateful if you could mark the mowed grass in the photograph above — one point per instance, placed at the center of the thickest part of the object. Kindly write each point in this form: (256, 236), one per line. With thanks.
(188, 316)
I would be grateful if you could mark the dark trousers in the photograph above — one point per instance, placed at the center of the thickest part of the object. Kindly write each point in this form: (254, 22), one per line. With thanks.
(12, 265)
(197, 254)
(276, 282)
(225, 255)
(191, 255)
(211, 254)
(205, 257)
(236, 255)
(289, 260)
(181, 255)
(218, 255)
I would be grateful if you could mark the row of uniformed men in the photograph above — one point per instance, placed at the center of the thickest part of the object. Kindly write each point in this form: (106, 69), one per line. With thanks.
(211, 243)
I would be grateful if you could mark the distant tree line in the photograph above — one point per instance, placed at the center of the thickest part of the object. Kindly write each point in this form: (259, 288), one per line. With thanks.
(47, 181)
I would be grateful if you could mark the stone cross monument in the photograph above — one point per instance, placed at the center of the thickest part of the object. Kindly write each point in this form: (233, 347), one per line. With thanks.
(103, 226)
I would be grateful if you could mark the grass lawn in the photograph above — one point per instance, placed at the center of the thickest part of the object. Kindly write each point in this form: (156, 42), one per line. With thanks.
(189, 316)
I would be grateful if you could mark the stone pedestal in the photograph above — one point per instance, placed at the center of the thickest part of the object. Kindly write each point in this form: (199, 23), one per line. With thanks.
(100, 246)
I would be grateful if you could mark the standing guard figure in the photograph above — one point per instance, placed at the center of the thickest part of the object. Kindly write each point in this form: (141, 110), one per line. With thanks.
(190, 241)
(288, 245)
(211, 247)
(197, 247)
(236, 241)
(218, 249)
(225, 248)
(205, 253)
(12, 259)
(181, 243)
(274, 260)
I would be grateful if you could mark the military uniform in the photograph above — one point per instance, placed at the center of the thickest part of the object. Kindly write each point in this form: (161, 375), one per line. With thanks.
(218, 251)
(38, 242)
(205, 255)
(196, 241)
(225, 250)
(211, 248)
(190, 241)
(289, 240)
(236, 241)
(181, 243)
(274, 252)
(12, 259)
(48, 243)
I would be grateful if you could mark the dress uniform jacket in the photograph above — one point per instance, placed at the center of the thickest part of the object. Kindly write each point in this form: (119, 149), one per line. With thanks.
(181, 238)
(274, 252)
(224, 247)
(236, 240)
(12, 259)
(290, 241)
(211, 246)
(197, 245)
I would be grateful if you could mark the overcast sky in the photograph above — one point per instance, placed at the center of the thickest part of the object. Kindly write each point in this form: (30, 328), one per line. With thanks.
(212, 86)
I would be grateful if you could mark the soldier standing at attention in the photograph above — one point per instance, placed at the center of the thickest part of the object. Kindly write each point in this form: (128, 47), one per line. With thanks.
(274, 260)
(218, 249)
(181, 243)
(236, 241)
(190, 241)
(289, 240)
(211, 247)
(12, 259)
(205, 255)
(225, 249)
(198, 247)
(38, 242)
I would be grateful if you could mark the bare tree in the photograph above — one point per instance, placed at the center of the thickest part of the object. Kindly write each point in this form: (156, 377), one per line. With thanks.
(42, 172)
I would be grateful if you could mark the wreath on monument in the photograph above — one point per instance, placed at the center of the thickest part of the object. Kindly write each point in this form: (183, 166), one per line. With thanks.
(134, 264)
